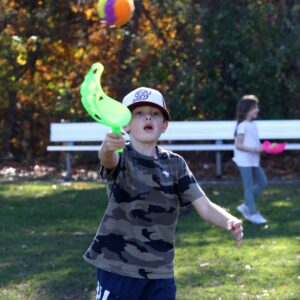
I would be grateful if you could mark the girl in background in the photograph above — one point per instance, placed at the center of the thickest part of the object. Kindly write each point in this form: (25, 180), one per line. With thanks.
(247, 152)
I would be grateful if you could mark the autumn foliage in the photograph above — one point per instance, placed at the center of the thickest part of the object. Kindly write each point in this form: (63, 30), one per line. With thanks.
(202, 55)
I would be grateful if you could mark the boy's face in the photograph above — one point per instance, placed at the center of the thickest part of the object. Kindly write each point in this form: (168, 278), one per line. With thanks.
(253, 112)
(147, 124)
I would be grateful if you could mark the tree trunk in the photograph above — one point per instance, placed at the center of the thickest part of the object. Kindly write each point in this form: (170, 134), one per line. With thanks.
(9, 126)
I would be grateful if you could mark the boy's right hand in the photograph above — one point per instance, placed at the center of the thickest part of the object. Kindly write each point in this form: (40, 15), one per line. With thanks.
(113, 142)
(107, 154)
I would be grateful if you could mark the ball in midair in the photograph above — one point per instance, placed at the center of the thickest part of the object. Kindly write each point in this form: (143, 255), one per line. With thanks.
(116, 12)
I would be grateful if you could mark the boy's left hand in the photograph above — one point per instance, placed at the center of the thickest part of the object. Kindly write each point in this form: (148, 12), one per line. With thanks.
(236, 228)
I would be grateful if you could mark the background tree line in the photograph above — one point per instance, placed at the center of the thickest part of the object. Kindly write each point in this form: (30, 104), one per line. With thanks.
(202, 55)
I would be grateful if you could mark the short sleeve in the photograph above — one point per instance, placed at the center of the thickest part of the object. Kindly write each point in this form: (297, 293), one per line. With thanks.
(111, 174)
(241, 129)
(188, 189)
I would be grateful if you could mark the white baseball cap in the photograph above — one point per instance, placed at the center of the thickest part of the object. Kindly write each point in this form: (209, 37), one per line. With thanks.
(146, 96)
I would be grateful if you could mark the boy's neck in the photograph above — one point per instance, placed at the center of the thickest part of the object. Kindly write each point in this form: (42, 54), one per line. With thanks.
(148, 149)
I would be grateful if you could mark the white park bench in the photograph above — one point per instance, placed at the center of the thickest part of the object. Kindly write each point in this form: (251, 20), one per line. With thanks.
(180, 136)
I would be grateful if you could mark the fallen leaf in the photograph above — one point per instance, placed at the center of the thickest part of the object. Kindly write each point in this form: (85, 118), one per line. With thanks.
(285, 286)
(204, 265)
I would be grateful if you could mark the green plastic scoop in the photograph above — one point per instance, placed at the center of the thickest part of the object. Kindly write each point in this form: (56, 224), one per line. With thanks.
(101, 107)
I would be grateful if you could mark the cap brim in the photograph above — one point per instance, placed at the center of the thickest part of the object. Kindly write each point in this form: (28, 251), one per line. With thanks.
(143, 103)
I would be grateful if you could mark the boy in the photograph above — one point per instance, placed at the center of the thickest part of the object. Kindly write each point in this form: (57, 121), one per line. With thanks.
(134, 245)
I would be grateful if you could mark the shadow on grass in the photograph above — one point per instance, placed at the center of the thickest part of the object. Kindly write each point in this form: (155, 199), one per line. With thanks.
(44, 235)
(43, 238)
(215, 265)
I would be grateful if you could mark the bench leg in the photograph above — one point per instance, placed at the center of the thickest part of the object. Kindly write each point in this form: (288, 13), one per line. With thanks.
(68, 166)
(218, 160)
(218, 165)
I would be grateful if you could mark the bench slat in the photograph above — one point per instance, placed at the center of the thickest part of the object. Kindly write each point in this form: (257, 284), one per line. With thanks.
(174, 147)
(178, 147)
(179, 131)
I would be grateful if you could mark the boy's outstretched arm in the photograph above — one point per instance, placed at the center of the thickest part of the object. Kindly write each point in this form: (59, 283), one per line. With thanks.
(107, 153)
(218, 216)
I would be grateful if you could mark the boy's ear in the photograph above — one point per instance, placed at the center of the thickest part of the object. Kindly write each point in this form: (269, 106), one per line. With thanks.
(166, 124)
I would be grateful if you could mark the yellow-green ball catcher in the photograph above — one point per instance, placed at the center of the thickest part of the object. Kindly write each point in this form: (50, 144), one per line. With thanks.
(101, 107)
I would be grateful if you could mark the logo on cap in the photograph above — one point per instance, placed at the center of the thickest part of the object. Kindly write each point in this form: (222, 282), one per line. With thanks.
(141, 95)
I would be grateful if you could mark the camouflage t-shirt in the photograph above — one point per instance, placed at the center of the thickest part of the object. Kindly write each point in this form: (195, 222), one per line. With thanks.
(137, 232)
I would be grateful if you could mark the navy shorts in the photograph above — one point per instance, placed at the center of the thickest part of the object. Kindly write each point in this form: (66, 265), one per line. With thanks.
(112, 286)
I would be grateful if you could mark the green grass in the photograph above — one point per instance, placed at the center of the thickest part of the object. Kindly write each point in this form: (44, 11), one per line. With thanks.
(45, 228)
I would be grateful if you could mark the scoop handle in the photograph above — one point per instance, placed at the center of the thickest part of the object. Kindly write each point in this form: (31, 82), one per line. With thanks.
(117, 130)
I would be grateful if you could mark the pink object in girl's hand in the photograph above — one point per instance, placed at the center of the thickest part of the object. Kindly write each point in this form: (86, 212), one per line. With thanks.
(273, 148)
